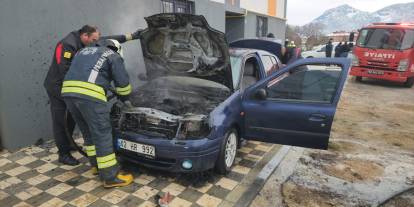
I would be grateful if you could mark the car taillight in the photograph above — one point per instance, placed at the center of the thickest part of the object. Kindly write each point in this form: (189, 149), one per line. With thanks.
(403, 66)
(355, 60)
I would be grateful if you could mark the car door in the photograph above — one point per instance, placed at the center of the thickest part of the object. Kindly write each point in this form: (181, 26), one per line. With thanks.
(296, 105)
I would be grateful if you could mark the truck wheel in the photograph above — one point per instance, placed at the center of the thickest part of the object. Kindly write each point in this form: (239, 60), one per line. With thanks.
(409, 83)
(228, 152)
(358, 79)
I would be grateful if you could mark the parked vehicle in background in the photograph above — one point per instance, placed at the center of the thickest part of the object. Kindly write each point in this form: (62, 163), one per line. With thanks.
(319, 51)
(385, 51)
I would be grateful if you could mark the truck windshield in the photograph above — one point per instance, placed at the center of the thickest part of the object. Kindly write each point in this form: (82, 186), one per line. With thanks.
(391, 39)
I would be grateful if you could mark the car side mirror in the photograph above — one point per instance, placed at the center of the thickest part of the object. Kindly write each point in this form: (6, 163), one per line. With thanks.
(261, 94)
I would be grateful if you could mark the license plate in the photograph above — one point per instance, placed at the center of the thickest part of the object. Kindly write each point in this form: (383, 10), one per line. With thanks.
(136, 147)
(376, 72)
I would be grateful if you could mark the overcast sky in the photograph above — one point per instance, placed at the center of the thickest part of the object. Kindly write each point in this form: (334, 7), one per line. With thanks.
(300, 12)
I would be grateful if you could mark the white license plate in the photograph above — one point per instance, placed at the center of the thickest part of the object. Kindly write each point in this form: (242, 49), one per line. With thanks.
(376, 72)
(136, 147)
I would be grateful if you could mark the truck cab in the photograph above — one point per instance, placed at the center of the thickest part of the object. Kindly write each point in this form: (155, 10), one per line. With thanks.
(385, 51)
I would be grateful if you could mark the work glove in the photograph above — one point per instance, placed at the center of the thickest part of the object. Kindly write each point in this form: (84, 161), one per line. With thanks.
(136, 34)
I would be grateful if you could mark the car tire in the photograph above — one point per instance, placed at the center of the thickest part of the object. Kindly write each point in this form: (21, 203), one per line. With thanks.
(358, 79)
(228, 151)
(310, 57)
(409, 83)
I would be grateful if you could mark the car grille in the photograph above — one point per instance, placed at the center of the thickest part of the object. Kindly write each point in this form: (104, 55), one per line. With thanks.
(142, 124)
(380, 64)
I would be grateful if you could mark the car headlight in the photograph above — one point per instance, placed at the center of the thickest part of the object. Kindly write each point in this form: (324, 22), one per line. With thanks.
(403, 66)
(355, 60)
(193, 129)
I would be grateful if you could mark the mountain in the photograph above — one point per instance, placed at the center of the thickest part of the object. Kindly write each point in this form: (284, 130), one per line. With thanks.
(347, 18)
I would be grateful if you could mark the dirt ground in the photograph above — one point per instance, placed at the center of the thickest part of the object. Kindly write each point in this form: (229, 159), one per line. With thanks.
(370, 161)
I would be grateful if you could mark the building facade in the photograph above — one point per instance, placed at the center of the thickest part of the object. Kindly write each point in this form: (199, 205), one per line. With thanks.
(34, 27)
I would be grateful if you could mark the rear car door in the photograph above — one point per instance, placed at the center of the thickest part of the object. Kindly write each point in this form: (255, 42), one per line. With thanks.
(296, 105)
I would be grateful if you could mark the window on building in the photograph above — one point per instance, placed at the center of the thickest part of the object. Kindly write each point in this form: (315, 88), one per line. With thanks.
(261, 27)
(177, 6)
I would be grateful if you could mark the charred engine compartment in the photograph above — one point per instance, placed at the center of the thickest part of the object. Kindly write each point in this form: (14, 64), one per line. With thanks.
(171, 107)
(188, 74)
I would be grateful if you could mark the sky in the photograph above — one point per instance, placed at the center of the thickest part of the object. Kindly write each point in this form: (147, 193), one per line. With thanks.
(300, 12)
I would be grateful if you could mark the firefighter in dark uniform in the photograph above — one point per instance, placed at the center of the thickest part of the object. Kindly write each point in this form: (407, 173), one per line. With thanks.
(62, 58)
(84, 92)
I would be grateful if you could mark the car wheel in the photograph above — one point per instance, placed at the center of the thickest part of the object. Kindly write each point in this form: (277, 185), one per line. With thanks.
(310, 57)
(228, 152)
(409, 83)
(358, 79)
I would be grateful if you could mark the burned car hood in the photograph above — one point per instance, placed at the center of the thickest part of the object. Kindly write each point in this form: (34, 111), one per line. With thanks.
(185, 45)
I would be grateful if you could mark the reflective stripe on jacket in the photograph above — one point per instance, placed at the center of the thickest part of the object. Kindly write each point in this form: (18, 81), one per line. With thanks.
(91, 73)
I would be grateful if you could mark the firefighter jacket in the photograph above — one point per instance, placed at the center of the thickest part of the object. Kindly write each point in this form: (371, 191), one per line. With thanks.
(62, 58)
(91, 73)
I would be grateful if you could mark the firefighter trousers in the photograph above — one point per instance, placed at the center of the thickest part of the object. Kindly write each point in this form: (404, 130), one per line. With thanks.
(93, 119)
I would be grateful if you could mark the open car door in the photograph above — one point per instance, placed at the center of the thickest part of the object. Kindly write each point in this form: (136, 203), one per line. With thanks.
(296, 106)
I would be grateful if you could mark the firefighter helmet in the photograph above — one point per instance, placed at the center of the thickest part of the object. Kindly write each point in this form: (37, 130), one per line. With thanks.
(113, 45)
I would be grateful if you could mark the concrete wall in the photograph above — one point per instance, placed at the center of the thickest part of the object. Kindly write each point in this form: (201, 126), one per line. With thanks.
(276, 26)
(234, 28)
(214, 12)
(30, 31)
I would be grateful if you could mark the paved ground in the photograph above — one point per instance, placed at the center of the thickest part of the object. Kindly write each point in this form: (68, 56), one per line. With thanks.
(33, 177)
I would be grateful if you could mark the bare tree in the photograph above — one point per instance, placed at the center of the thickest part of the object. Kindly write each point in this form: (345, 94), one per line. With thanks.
(311, 29)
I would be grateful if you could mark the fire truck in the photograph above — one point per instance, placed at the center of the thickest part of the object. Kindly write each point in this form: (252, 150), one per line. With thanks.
(385, 51)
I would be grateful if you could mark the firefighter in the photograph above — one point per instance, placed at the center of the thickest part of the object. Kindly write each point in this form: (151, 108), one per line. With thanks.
(62, 58)
(84, 92)
(292, 53)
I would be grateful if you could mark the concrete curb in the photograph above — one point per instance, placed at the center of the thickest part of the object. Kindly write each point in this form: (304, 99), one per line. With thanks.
(250, 194)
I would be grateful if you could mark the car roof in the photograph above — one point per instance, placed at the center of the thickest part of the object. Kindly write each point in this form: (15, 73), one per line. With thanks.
(390, 26)
(269, 45)
(238, 52)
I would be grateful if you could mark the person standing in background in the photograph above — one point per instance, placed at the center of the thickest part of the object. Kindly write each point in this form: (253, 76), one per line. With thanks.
(329, 48)
(338, 50)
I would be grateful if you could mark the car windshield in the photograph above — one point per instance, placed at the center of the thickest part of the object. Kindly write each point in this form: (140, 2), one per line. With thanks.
(236, 62)
(392, 39)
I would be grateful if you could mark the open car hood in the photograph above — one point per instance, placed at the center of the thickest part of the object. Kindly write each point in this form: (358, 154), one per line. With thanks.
(185, 45)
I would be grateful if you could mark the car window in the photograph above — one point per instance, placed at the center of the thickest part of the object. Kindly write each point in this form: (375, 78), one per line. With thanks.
(236, 63)
(323, 49)
(275, 62)
(250, 72)
(307, 83)
(267, 64)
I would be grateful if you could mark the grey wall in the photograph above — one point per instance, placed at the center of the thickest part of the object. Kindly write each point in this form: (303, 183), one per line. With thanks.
(30, 31)
(234, 28)
(276, 26)
(214, 12)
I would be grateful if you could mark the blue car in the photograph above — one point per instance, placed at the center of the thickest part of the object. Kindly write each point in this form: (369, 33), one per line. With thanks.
(201, 98)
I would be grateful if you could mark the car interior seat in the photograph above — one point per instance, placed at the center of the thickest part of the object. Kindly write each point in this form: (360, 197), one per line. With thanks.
(250, 73)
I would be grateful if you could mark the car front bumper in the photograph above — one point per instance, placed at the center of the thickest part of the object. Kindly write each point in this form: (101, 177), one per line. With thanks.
(170, 154)
(394, 76)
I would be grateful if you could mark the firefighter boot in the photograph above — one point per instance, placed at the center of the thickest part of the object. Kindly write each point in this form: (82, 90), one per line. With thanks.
(94, 171)
(119, 181)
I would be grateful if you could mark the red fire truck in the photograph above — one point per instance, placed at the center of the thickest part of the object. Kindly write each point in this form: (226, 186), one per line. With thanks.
(385, 51)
